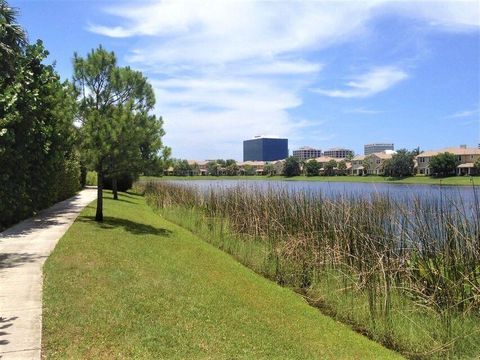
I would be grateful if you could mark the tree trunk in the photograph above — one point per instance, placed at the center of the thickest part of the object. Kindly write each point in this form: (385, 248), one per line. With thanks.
(99, 214)
(115, 188)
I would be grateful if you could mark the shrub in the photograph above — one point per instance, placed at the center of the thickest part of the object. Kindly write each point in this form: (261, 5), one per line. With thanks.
(291, 167)
(329, 168)
(38, 164)
(312, 167)
(444, 164)
(91, 179)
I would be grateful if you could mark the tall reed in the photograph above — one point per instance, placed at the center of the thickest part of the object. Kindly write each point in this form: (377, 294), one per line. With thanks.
(406, 273)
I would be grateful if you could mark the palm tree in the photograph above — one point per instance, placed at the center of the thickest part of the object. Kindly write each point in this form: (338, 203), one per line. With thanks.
(12, 36)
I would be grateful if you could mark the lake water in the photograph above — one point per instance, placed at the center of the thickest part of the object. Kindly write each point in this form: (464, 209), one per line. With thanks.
(464, 195)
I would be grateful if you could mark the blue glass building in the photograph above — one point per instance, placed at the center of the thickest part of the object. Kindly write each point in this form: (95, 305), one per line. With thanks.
(265, 149)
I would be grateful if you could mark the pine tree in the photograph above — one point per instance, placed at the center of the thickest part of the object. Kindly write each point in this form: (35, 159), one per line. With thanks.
(117, 131)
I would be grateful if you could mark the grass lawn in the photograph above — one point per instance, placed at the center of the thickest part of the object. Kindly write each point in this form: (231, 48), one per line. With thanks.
(425, 180)
(138, 286)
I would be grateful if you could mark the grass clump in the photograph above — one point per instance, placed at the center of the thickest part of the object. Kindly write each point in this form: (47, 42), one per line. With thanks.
(405, 274)
(139, 287)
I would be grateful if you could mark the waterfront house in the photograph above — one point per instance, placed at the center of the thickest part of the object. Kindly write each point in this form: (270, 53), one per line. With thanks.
(199, 167)
(256, 165)
(279, 167)
(323, 160)
(357, 167)
(375, 162)
(465, 156)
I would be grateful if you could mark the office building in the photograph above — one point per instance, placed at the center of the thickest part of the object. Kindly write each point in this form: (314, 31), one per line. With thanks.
(377, 148)
(305, 153)
(263, 148)
(338, 153)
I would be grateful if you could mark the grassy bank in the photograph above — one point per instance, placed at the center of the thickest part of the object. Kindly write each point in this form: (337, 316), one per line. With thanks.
(421, 180)
(139, 287)
(408, 276)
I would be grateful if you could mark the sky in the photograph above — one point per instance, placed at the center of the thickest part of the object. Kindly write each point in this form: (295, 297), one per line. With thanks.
(320, 73)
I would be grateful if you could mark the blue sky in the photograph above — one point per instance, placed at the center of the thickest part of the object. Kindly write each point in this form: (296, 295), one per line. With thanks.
(322, 74)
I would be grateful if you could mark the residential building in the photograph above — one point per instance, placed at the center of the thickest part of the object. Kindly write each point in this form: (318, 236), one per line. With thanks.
(322, 160)
(199, 167)
(265, 149)
(256, 165)
(374, 163)
(338, 153)
(376, 148)
(305, 153)
(358, 167)
(465, 156)
(279, 167)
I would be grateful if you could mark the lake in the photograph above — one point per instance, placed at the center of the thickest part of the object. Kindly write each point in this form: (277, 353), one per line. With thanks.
(464, 195)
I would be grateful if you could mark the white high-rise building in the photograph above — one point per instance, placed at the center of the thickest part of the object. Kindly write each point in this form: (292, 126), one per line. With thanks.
(376, 148)
(306, 152)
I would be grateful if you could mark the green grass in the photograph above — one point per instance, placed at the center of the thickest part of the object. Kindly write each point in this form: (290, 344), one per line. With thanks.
(419, 179)
(416, 331)
(358, 272)
(138, 286)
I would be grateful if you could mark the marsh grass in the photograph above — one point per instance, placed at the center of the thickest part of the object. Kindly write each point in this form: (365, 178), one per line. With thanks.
(406, 274)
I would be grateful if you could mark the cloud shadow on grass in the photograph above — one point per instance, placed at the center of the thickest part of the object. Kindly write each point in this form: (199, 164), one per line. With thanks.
(130, 226)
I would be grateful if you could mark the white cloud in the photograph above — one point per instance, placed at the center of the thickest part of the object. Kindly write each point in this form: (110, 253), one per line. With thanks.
(220, 133)
(226, 31)
(227, 70)
(284, 68)
(373, 82)
(364, 111)
(212, 116)
(224, 94)
(453, 15)
(464, 114)
(114, 32)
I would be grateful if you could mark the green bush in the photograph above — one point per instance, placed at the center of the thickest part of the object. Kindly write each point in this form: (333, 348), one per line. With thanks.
(291, 167)
(91, 178)
(68, 179)
(38, 163)
(444, 164)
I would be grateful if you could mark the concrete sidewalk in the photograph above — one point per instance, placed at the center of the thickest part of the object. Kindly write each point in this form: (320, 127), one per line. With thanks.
(23, 250)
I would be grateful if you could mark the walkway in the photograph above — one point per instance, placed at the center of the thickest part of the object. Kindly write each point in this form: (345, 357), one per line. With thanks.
(23, 250)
